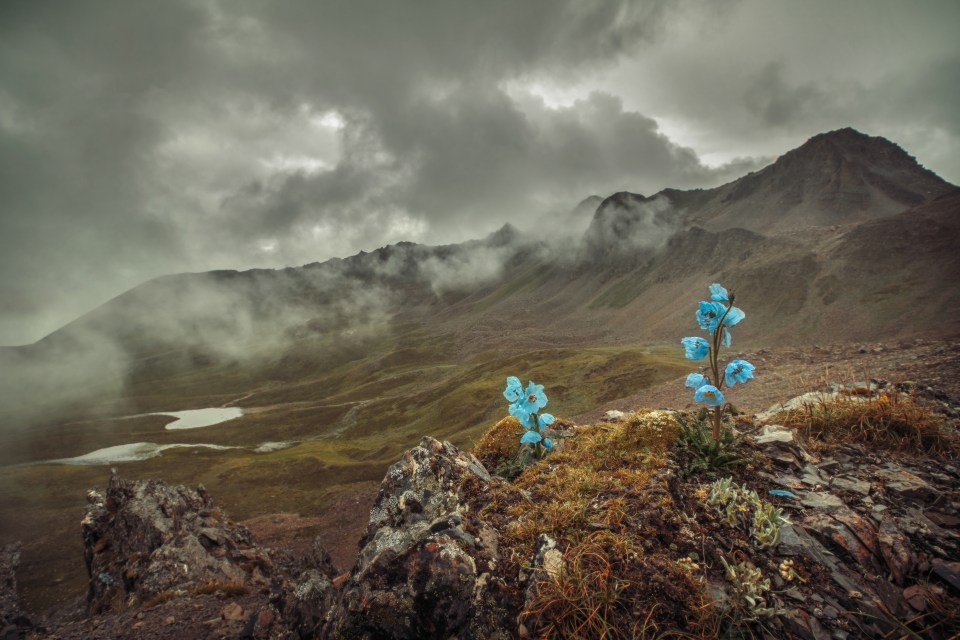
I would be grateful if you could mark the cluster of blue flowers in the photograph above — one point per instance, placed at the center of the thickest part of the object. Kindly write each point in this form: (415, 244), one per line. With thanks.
(715, 316)
(525, 406)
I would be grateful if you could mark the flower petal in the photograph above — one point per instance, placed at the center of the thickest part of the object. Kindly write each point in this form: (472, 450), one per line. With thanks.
(530, 437)
(519, 411)
(544, 420)
(695, 348)
(718, 293)
(734, 316)
(709, 395)
(696, 380)
(513, 390)
(737, 371)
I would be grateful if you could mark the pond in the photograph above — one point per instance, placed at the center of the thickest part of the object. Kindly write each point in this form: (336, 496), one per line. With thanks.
(196, 418)
(130, 453)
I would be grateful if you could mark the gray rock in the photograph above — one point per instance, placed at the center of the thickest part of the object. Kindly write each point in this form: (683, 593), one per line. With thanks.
(420, 572)
(774, 433)
(9, 601)
(823, 500)
(907, 485)
(853, 485)
(139, 541)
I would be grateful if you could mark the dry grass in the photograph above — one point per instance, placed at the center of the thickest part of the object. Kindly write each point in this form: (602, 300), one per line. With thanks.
(888, 419)
(229, 588)
(609, 590)
(597, 497)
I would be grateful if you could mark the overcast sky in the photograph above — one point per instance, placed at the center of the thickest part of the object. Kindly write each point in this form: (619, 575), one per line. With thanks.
(139, 138)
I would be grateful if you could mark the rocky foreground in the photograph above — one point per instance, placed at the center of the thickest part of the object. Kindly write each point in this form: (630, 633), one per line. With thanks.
(630, 531)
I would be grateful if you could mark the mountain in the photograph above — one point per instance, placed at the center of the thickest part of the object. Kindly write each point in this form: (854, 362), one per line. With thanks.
(844, 238)
(341, 366)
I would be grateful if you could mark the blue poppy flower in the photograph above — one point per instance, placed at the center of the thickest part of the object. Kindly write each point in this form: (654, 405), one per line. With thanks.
(548, 443)
(709, 395)
(696, 380)
(737, 371)
(725, 340)
(696, 348)
(533, 398)
(544, 420)
(531, 437)
(514, 389)
(520, 412)
(718, 293)
(708, 313)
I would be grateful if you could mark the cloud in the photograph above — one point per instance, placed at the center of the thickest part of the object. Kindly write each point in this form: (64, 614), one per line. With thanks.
(142, 140)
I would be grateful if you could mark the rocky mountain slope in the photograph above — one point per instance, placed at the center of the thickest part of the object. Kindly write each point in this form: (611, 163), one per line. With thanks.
(845, 234)
(613, 536)
(346, 364)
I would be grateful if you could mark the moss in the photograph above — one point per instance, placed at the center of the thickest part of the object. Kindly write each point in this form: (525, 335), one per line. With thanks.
(498, 444)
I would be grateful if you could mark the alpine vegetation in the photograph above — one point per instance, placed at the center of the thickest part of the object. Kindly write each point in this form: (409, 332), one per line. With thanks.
(525, 406)
(715, 317)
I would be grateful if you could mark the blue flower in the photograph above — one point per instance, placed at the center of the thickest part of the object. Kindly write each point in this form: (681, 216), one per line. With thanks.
(708, 313)
(725, 340)
(548, 443)
(718, 293)
(525, 417)
(738, 371)
(696, 380)
(709, 395)
(531, 437)
(514, 389)
(533, 398)
(544, 420)
(696, 348)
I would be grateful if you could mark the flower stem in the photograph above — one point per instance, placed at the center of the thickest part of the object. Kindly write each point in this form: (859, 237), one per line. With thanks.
(716, 339)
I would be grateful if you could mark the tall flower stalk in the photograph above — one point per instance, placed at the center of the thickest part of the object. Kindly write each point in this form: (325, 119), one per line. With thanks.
(715, 316)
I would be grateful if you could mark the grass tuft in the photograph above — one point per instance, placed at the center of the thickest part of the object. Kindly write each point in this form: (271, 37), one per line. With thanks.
(888, 419)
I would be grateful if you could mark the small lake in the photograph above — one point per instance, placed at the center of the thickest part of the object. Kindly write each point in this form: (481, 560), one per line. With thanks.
(132, 452)
(196, 418)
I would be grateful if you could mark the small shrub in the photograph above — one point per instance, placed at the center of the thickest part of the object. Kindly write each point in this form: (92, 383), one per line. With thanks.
(743, 508)
(706, 453)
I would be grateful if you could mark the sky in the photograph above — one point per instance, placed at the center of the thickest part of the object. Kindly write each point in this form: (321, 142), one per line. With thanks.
(144, 138)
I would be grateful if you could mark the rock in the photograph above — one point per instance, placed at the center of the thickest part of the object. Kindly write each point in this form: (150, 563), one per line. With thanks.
(233, 612)
(420, 572)
(949, 572)
(907, 485)
(801, 624)
(845, 530)
(613, 416)
(9, 601)
(143, 538)
(896, 550)
(816, 500)
(853, 485)
(774, 433)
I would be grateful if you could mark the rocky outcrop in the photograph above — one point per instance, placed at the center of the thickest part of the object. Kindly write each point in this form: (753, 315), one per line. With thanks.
(10, 615)
(878, 527)
(427, 565)
(148, 540)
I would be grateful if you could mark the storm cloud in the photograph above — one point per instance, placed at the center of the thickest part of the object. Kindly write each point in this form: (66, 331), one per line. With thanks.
(138, 139)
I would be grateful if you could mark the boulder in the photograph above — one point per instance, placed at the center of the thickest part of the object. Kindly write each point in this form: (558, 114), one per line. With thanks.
(426, 564)
(143, 539)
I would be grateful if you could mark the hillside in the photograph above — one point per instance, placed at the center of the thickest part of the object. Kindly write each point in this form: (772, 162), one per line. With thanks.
(341, 366)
